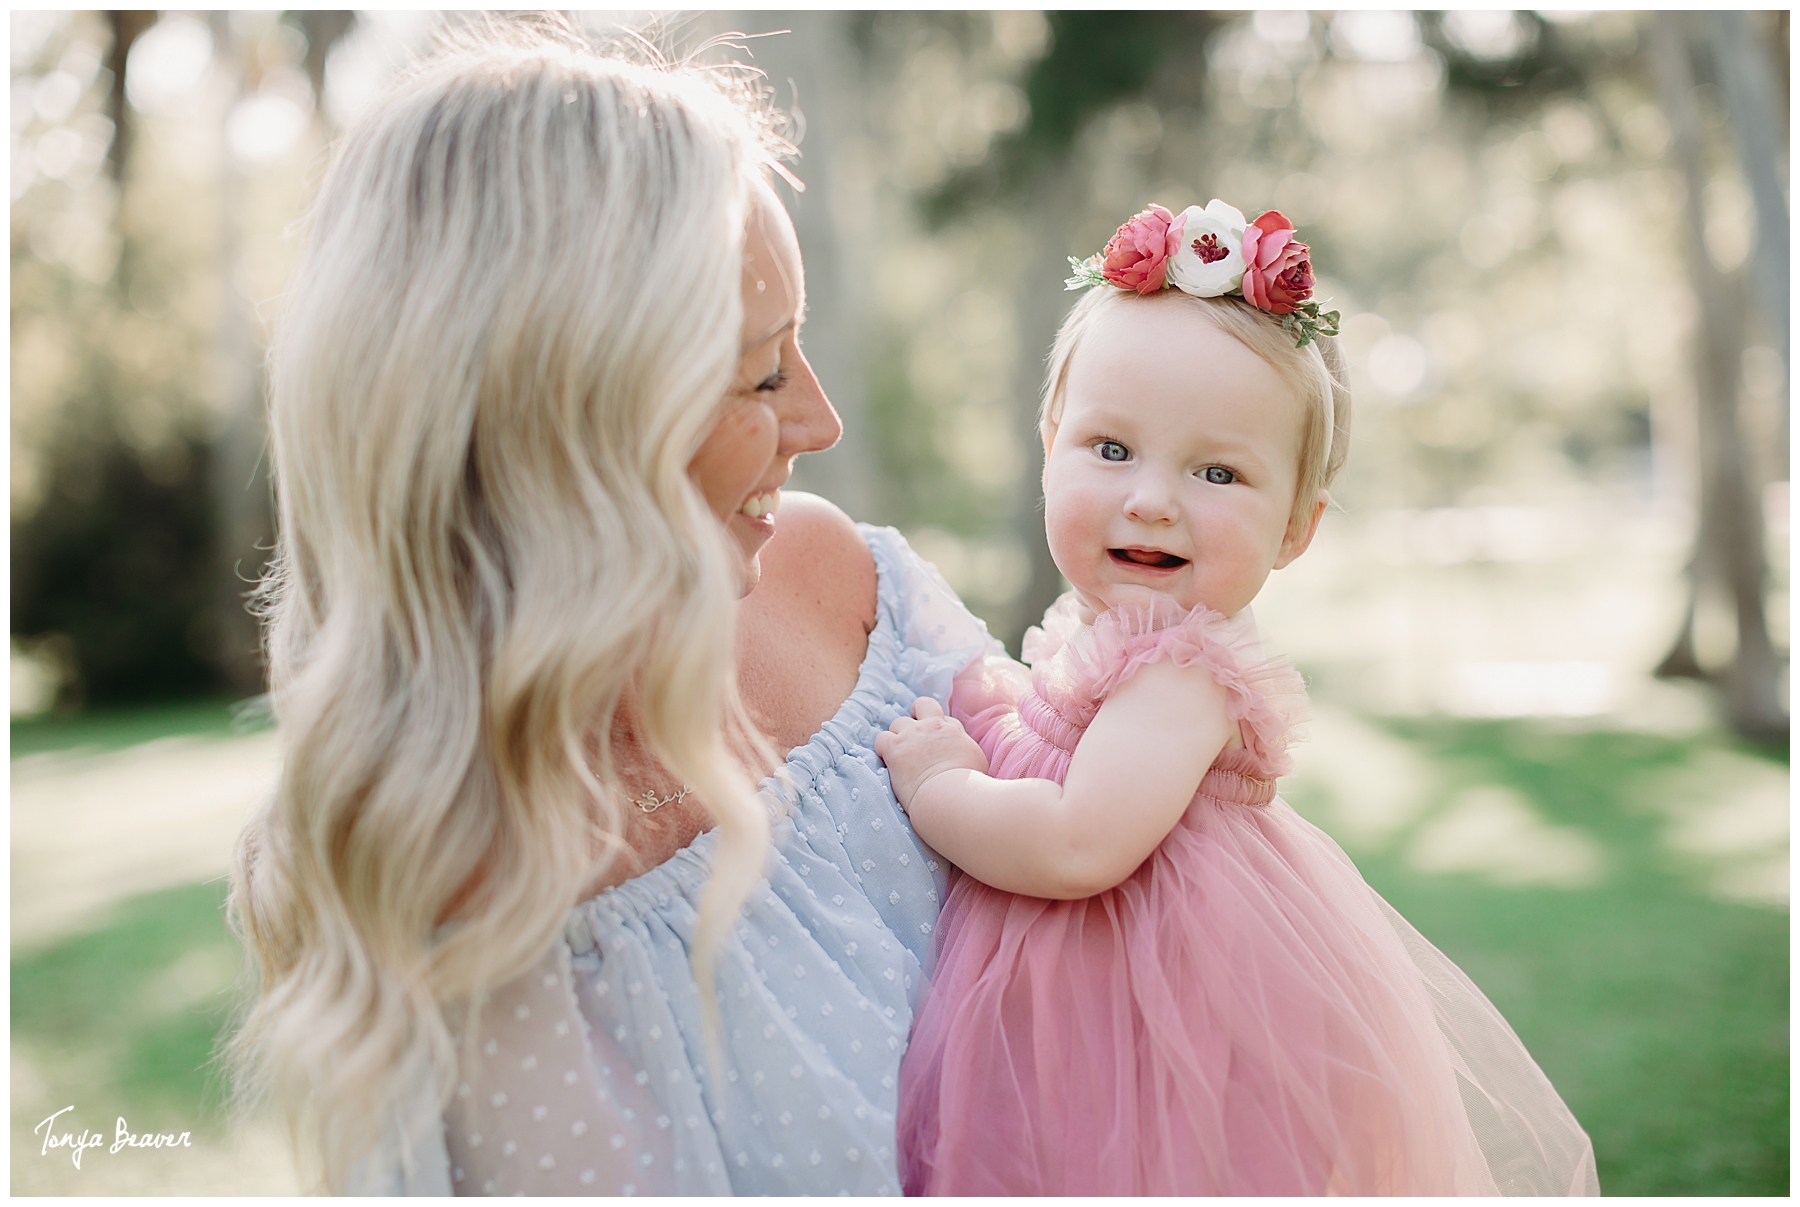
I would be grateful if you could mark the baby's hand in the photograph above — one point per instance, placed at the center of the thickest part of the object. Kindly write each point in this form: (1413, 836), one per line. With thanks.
(918, 747)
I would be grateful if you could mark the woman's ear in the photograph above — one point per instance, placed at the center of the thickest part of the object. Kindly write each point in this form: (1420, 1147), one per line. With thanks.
(1300, 535)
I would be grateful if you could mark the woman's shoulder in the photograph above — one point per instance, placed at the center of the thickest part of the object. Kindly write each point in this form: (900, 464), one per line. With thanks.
(819, 564)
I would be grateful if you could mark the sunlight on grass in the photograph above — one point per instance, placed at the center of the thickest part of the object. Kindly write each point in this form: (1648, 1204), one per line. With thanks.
(123, 1021)
(1593, 883)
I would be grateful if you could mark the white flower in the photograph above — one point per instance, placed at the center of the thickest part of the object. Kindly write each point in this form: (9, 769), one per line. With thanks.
(1198, 267)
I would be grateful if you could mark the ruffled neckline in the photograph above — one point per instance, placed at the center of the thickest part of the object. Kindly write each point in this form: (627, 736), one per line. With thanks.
(1076, 666)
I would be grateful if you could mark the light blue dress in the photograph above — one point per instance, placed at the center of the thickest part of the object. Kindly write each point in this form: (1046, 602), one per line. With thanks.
(816, 987)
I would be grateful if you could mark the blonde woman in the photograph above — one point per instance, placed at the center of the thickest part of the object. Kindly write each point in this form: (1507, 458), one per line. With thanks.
(524, 920)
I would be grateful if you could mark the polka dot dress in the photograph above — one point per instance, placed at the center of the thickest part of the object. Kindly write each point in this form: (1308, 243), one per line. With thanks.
(590, 1075)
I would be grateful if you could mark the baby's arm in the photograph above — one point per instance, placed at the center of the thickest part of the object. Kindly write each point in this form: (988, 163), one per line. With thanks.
(1129, 782)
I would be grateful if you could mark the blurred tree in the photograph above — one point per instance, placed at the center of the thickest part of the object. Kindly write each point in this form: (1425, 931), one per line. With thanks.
(324, 29)
(828, 119)
(1759, 128)
(126, 25)
(1095, 61)
(1729, 544)
(114, 568)
(241, 486)
(111, 528)
(137, 342)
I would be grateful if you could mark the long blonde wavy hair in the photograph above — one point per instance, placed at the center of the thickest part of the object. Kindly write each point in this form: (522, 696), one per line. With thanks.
(515, 315)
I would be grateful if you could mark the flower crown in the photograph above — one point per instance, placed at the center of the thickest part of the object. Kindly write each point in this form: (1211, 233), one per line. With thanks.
(1212, 252)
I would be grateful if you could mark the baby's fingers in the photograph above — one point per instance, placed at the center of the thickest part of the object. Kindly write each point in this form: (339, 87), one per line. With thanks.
(925, 706)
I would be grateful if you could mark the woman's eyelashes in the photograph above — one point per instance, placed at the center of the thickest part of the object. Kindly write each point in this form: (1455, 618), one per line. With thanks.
(773, 381)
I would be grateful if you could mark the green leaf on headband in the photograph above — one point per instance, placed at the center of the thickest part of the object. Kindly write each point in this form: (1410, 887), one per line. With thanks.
(1307, 323)
(1087, 273)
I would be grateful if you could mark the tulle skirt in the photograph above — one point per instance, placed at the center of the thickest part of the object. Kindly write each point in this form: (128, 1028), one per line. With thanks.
(1244, 1015)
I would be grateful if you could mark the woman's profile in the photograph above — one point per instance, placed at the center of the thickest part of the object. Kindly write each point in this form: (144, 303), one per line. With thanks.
(523, 919)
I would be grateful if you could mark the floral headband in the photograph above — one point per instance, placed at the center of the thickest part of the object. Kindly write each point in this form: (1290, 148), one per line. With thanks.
(1212, 252)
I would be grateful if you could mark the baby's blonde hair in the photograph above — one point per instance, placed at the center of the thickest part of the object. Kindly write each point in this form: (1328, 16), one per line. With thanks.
(514, 319)
(1316, 373)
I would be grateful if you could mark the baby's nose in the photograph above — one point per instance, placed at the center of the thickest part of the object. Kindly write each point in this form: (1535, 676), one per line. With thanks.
(1151, 501)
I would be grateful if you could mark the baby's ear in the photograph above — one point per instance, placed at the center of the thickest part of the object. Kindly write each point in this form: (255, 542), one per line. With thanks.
(1300, 532)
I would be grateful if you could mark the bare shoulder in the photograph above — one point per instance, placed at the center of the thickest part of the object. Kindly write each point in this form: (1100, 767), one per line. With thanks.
(804, 630)
(818, 566)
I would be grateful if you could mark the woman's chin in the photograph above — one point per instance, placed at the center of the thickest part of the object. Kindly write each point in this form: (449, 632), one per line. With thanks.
(750, 535)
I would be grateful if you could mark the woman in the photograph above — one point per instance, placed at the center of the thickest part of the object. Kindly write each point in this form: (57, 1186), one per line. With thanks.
(532, 401)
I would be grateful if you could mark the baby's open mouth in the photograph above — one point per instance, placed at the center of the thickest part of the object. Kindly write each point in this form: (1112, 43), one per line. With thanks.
(1154, 558)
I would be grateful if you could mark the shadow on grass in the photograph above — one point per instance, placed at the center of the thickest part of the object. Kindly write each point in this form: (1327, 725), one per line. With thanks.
(1658, 1012)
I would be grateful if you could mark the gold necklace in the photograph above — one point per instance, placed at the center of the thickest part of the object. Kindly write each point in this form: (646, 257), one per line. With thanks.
(648, 802)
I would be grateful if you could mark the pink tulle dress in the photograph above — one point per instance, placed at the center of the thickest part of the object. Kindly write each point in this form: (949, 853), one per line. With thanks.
(1243, 1015)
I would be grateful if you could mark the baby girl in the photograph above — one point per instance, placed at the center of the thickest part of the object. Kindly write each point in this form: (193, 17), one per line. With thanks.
(1153, 976)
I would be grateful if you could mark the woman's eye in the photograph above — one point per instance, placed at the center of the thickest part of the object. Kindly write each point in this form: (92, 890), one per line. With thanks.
(1218, 475)
(1112, 450)
(773, 381)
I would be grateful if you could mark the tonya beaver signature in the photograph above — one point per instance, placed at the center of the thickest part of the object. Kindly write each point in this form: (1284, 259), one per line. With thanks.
(79, 1142)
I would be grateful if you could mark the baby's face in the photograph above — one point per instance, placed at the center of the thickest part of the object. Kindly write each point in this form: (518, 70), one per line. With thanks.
(1174, 468)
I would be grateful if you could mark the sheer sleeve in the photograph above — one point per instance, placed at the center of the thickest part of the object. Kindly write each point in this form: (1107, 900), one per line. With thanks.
(939, 636)
(532, 1115)
(1265, 695)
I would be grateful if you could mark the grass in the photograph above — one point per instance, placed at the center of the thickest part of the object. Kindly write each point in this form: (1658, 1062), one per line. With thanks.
(114, 729)
(145, 997)
(1661, 1014)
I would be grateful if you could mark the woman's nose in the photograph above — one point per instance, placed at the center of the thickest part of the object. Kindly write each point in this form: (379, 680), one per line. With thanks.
(809, 424)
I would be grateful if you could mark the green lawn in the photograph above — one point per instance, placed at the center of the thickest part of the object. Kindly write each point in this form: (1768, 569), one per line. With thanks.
(1660, 1013)
(115, 729)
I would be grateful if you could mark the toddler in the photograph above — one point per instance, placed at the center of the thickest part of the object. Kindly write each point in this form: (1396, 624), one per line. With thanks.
(1153, 976)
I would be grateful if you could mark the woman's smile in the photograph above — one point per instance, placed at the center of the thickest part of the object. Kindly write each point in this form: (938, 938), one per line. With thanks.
(775, 410)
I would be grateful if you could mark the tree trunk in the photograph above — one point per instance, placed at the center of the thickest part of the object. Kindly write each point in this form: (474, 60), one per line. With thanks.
(1749, 85)
(1729, 546)
(323, 28)
(813, 69)
(240, 472)
(1053, 203)
(126, 25)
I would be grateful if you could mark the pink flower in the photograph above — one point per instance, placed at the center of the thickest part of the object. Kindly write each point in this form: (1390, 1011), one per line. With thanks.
(1277, 267)
(1137, 257)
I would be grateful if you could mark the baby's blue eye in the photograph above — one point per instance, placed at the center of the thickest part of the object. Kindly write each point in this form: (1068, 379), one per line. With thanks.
(1218, 475)
(1112, 450)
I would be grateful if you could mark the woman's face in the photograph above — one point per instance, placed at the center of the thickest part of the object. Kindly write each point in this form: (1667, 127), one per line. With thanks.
(775, 409)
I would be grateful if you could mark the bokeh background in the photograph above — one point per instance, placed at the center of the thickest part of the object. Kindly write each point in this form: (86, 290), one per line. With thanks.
(1546, 624)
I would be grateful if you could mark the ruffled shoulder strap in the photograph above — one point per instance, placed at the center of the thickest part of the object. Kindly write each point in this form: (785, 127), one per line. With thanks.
(937, 635)
(1061, 622)
(1266, 696)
